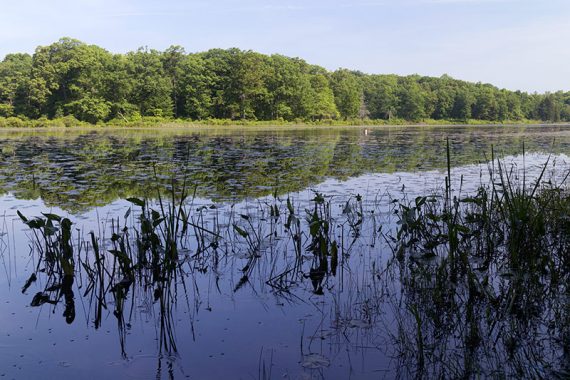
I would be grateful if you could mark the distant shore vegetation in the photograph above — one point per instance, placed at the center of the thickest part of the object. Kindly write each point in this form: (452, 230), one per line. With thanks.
(70, 83)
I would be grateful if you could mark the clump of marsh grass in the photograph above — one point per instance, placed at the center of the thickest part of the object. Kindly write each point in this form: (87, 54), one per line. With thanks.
(505, 219)
(148, 254)
(478, 271)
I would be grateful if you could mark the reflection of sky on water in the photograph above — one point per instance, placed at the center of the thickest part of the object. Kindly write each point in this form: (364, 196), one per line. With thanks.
(468, 178)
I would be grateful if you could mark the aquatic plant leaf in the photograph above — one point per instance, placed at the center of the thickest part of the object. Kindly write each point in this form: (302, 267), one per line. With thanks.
(36, 223)
(290, 206)
(240, 231)
(241, 283)
(31, 280)
(156, 222)
(66, 224)
(39, 299)
(50, 229)
(420, 201)
(136, 201)
(120, 255)
(314, 228)
(157, 293)
(323, 246)
(24, 219)
(274, 210)
(55, 217)
(122, 287)
(319, 199)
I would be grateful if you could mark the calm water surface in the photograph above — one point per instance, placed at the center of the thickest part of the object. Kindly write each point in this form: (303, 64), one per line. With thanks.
(284, 320)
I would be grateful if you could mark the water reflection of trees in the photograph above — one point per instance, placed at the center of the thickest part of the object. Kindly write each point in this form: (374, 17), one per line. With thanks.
(82, 170)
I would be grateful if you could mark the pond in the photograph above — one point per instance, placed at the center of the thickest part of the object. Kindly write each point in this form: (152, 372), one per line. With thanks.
(263, 253)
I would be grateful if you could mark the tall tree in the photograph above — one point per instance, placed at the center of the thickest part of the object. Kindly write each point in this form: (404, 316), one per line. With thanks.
(196, 84)
(67, 78)
(486, 106)
(380, 96)
(249, 77)
(321, 103)
(14, 80)
(411, 100)
(462, 105)
(152, 88)
(172, 60)
(549, 109)
(347, 93)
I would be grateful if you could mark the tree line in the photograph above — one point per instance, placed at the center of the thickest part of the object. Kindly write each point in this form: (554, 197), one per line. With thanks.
(70, 77)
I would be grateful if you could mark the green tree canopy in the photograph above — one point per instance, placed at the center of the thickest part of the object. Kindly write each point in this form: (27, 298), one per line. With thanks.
(70, 77)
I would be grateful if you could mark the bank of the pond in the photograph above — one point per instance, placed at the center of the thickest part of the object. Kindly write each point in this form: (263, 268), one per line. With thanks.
(156, 122)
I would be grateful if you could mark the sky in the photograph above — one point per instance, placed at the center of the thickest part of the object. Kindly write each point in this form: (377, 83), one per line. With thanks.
(513, 44)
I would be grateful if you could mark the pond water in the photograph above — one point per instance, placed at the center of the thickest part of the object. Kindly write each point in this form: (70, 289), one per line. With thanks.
(248, 297)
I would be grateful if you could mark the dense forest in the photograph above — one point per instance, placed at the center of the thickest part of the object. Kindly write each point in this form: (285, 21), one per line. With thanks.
(71, 78)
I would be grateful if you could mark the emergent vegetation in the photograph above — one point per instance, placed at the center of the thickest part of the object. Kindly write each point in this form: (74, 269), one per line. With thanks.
(88, 83)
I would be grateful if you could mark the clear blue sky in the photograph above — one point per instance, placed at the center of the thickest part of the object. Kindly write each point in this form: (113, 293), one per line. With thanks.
(516, 44)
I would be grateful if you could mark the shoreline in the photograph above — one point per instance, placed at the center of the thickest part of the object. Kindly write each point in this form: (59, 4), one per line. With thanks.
(181, 125)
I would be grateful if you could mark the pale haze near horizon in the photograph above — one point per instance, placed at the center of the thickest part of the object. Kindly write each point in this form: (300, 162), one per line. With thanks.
(513, 44)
